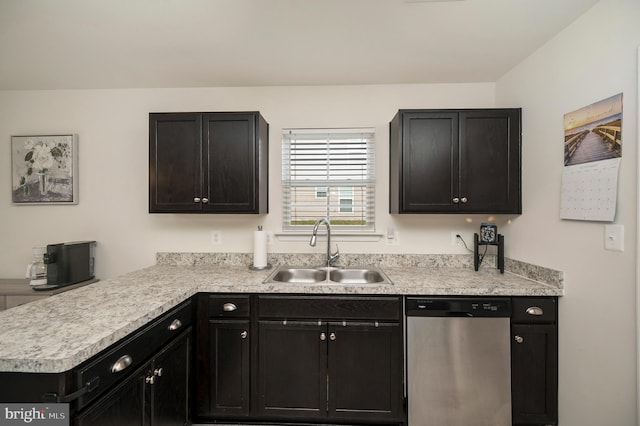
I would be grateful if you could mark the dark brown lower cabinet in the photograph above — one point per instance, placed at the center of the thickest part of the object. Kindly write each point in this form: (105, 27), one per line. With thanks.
(346, 367)
(534, 361)
(292, 376)
(156, 394)
(350, 371)
(125, 405)
(229, 370)
(365, 371)
(223, 357)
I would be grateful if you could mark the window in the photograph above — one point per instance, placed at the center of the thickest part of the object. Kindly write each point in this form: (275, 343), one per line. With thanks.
(346, 200)
(321, 192)
(328, 173)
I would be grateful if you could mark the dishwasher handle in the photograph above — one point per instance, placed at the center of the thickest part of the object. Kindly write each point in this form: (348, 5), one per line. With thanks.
(458, 314)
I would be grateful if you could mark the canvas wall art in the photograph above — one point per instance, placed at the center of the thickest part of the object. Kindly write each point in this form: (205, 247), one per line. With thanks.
(44, 169)
(592, 157)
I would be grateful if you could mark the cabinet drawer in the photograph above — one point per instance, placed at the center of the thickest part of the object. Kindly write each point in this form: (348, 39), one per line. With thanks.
(329, 307)
(228, 306)
(534, 310)
(115, 363)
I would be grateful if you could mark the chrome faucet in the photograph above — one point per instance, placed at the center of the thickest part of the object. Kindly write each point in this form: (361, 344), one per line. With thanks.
(331, 257)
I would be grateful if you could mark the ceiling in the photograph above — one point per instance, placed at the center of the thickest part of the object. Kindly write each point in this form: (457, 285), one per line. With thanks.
(83, 44)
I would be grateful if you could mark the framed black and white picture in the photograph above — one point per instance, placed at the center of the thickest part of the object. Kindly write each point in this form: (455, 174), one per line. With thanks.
(44, 169)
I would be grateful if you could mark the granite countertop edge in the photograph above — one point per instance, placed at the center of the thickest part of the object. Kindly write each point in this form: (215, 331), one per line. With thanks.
(81, 323)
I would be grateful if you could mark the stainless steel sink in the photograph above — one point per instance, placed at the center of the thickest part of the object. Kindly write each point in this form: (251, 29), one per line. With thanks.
(304, 275)
(356, 276)
(298, 275)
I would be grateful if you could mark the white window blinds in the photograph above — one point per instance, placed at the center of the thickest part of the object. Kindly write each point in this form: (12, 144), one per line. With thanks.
(328, 173)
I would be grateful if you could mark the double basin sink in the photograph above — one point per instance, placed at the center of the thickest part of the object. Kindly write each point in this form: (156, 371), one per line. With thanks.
(305, 275)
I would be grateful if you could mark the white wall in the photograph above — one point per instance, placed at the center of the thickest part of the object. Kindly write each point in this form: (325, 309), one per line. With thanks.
(113, 146)
(592, 59)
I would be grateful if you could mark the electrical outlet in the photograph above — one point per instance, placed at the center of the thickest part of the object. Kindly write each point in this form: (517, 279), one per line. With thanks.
(269, 237)
(216, 238)
(464, 238)
(393, 237)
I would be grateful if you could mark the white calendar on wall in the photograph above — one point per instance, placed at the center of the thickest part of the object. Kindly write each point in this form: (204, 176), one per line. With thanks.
(592, 157)
(589, 191)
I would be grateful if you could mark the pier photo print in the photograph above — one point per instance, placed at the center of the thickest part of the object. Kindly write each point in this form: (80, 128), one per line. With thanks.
(592, 155)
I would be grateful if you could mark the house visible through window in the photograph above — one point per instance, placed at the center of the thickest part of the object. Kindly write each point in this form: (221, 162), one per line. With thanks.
(346, 200)
(328, 173)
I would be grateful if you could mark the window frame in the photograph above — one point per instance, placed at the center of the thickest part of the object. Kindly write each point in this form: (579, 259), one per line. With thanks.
(353, 169)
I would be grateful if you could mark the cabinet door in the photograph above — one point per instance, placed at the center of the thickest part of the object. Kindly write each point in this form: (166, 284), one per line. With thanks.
(126, 405)
(292, 370)
(490, 161)
(430, 161)
(229, 368)
(230, 166)
(534, 374)
(365, 371)
(175, 163)
(170, 395)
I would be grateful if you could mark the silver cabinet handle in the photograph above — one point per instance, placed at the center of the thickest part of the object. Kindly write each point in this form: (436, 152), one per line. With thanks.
(244, 334)
(463, 199)
(535, 311)
(323, 337)
(196, 199)
(123, 362)
(175, 324)
(332, 336)
(150, 380)
(518, 339)
(205, 200)
(456, 200)
(158, 372)
(229, 307)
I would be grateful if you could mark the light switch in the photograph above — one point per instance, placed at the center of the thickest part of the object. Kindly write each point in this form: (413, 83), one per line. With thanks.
(614, 237)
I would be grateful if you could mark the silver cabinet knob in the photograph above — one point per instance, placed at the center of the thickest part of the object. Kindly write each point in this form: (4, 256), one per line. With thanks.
(332, 336)
(158, 372)
(205, 200)
(244, 334)
(121, 363)
(196, 199)
(463, 199)
(535, 311)
(323, 337)
(150, 379)
(229, 307)
(518, 339)
(456, 200)
(175, 324)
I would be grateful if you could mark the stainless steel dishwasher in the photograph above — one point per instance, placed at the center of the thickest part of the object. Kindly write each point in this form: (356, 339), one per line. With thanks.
(458, 361)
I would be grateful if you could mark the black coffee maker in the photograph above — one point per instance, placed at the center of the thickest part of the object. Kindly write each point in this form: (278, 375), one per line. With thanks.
(70, 263)
(488, 237)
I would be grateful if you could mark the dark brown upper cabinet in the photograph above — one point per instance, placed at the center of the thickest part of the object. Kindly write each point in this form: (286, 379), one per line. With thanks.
(213, 162)
(455, 161)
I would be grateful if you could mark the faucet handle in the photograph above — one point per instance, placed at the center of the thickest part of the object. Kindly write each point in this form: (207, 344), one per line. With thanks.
(334, 256)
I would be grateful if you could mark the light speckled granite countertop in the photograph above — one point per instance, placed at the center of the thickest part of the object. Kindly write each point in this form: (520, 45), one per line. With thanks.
(60, 332)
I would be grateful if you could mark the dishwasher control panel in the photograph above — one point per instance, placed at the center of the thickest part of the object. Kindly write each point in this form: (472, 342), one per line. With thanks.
(458, 307)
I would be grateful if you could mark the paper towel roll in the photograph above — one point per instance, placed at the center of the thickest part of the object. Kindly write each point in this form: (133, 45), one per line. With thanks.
(259, 249)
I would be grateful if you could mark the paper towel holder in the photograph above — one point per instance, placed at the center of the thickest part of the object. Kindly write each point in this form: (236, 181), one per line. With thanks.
(252, 267)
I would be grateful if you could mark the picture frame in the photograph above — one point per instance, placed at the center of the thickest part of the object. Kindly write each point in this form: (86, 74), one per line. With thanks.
(44, 169)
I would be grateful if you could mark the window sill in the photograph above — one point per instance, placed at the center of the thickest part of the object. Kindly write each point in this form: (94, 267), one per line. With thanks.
(335, 237)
